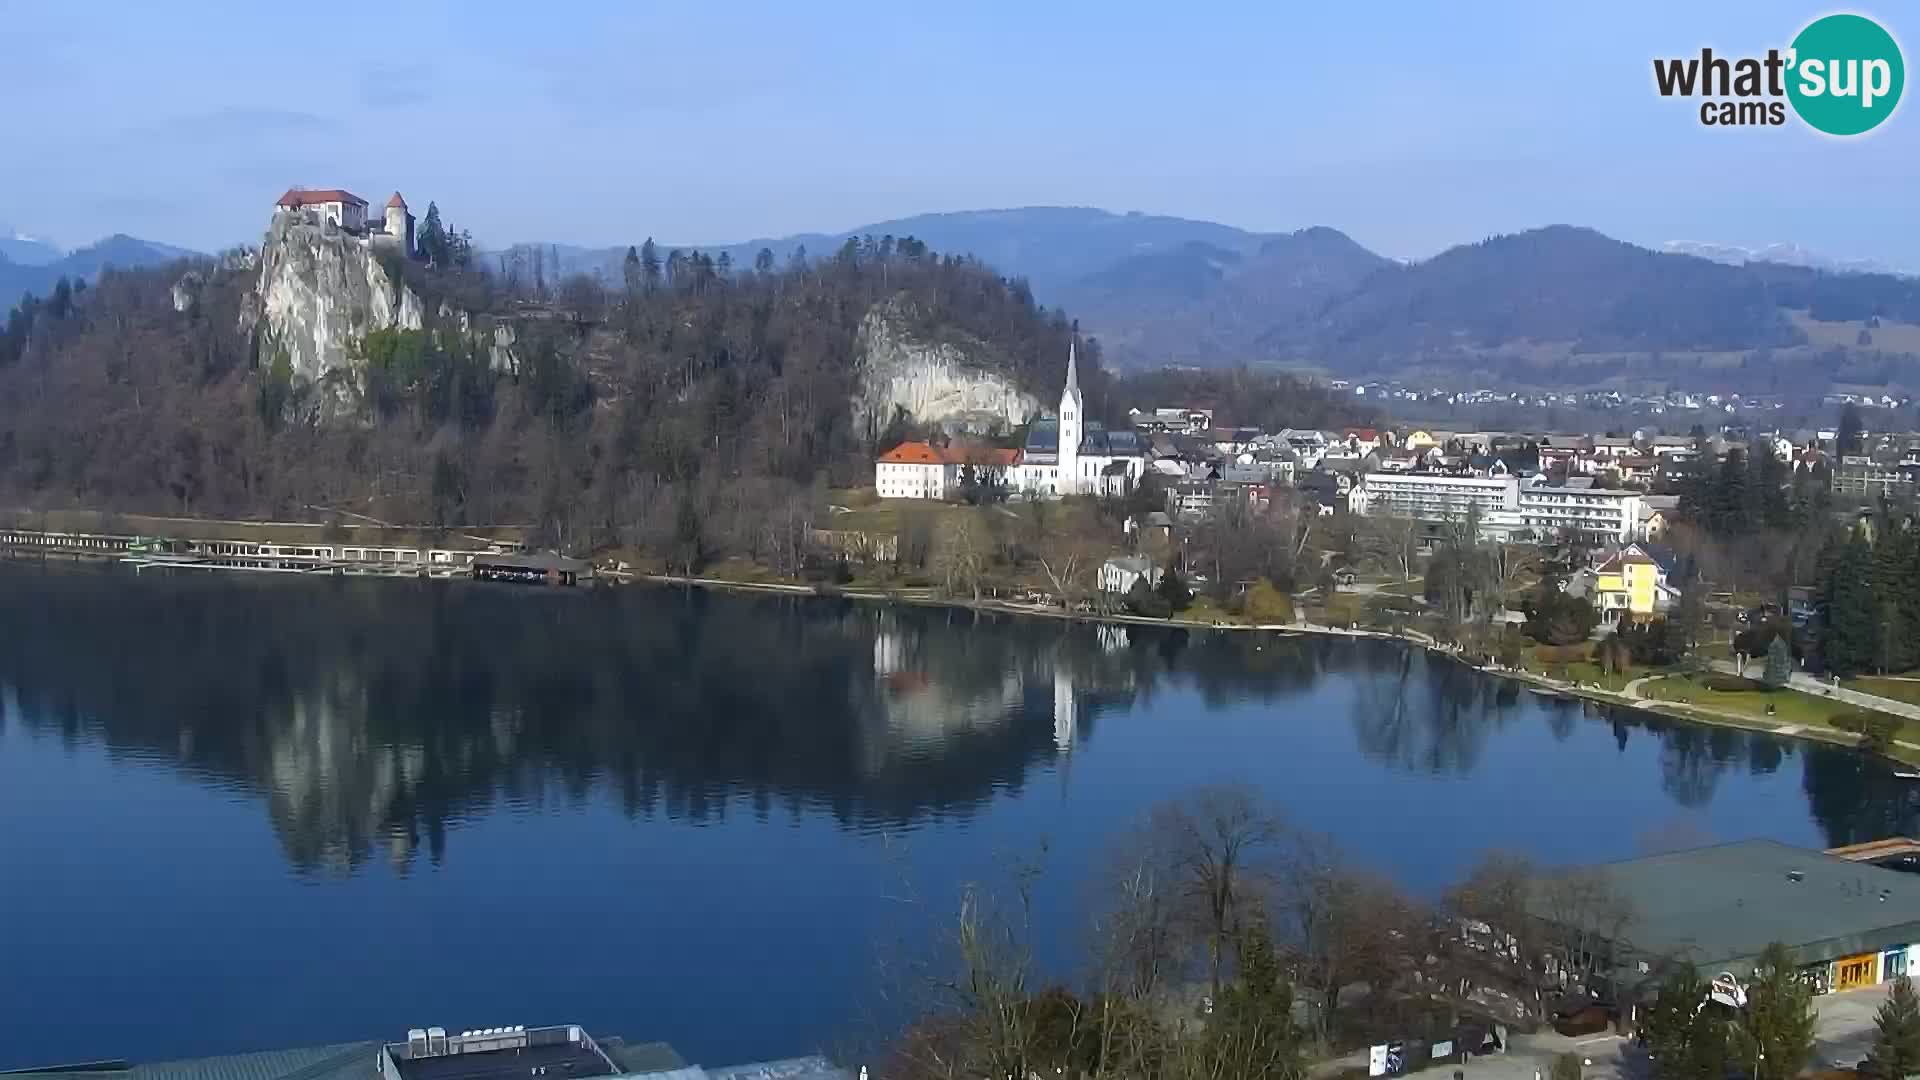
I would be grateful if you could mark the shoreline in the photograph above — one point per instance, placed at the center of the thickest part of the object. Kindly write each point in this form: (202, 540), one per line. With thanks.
(1692, 714)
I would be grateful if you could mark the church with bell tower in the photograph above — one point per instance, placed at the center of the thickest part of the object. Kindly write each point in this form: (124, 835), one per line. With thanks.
(1069, 454)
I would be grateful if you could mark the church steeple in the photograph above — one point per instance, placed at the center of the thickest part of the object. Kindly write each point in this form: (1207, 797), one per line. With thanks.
(1073, 375)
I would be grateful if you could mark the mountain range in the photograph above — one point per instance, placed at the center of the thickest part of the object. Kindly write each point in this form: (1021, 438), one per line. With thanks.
(1553, 306)
(28, 265)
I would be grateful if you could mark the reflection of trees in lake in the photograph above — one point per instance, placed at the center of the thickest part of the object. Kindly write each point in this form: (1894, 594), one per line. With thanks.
(1428, 714)
(375, 717)
(1856, 798)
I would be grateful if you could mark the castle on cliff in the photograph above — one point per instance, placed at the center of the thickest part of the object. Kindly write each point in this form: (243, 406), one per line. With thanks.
(348, 212)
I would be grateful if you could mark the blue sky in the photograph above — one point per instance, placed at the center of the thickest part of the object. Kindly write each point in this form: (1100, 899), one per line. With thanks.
(1410, 126)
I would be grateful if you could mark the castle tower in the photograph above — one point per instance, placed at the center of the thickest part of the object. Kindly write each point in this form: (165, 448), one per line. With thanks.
(400, 224)
(1073, 418)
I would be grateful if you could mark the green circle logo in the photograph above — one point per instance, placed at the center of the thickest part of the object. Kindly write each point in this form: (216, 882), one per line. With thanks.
(1846, 74)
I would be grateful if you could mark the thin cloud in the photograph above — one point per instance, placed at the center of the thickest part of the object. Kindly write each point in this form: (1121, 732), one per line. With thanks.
(393, 86)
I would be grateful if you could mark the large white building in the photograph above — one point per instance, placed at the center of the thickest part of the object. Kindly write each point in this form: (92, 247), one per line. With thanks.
(1576, 507)
(916, 470)
(1438, 497)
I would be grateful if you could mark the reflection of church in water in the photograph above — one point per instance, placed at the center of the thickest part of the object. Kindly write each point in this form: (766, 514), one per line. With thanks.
(932, 692)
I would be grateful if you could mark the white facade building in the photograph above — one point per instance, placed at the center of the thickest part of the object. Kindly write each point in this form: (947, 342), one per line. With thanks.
(1437, 497)
(343, 208)
(1575, 506)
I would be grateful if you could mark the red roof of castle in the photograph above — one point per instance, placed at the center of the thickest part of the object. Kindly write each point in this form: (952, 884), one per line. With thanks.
(397, 201)
(298, 197)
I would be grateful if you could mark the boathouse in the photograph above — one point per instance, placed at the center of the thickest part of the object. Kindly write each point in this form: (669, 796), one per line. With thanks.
(1848, 924)
(538, 567)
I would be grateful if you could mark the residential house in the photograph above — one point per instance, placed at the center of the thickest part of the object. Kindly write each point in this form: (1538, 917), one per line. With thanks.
(1117, 575)
(1633, 582)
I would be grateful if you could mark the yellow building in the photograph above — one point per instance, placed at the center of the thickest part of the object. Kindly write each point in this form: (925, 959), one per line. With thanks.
(1634, 583)
(1418, 440)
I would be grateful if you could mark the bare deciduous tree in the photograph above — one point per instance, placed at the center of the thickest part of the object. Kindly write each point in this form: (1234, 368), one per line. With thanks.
(1217, 842)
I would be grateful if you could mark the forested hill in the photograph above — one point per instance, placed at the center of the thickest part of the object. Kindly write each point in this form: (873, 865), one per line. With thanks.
(1565, 306)
(703, 402)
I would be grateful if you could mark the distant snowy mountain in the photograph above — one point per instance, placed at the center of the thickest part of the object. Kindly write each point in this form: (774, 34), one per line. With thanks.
(23, 250)
(1789, 254)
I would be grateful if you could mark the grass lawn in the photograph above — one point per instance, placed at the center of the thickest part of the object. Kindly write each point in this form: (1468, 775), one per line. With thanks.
(1789, 706)
(1907, 690)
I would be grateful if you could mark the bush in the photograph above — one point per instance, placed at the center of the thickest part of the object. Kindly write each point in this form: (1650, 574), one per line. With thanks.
(1560, 655)
(1876, 729)
(1267, 604)
(1146, 602)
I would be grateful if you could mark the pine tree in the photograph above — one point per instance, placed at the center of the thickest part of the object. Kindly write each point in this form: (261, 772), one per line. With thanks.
(1173, 589)
(1896, 1046)
(1847, 642)
(433, 237)
(649, 265)
(630, 272)
(1686, 1041)
(1775, 1033)
(1779, 670)
(1852, 430)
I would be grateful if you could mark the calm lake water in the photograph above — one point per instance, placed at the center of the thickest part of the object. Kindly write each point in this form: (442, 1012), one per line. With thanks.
(241, 812)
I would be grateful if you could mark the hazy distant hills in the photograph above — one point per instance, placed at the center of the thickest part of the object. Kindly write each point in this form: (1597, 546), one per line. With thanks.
(1541, 307)
(1789, 254)
(1203, 304)
(1050, 246)
(18, 278)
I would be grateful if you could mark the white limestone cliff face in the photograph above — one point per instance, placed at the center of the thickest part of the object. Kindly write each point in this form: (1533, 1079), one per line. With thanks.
(936, 382)
(320, 292)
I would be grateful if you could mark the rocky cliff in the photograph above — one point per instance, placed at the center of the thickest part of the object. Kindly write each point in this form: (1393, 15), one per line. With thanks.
(947, 382)
(320, 291)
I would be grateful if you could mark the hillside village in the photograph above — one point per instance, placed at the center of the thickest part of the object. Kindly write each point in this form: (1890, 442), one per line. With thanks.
(1617, 523)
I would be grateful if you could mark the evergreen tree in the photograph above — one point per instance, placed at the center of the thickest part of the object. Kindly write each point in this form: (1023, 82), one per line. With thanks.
(763, 261)
(1852, 430)
(1779, 670)
(630, 272)
(1847, 641)
(1686, 1041)
(433, 237)
(649, 265)
(1251, 1033)
(1173, 589)
(1896, 1045)
(1774, 1036)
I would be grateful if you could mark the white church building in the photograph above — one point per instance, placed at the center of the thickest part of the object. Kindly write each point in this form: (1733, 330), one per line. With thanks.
(1068, 454)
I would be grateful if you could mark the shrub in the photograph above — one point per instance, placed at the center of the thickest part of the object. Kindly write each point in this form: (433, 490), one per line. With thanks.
(1267, 604)
(1560, 655)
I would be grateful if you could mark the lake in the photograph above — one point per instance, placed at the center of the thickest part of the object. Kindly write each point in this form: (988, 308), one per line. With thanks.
(245, 812)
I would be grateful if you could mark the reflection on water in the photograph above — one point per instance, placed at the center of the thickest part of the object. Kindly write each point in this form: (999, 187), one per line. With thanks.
(641, 762)
(372, 717)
